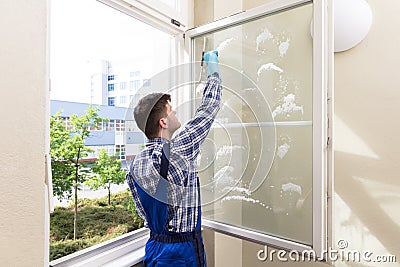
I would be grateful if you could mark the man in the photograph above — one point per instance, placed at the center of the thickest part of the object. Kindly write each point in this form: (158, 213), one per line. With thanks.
(163, 178)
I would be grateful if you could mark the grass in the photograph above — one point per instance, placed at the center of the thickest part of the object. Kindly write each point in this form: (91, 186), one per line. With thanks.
(97, 222)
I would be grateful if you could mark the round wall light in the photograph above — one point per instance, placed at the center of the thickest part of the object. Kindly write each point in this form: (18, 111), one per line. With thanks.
(352, 22)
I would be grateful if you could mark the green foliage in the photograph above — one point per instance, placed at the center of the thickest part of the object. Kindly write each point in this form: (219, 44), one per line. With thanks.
(67, 148)
(62, 248)
(61, 164)
(108, 171)
(98, 222)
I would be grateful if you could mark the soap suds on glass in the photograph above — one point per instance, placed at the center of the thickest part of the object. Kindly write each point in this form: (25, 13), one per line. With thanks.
(282, 150)
(224, 176)
(237, 189)
(268, 66)
(291, 187)
(245, 198)
(224, 44)
(283, 47)
(264, 35)
(288, 106)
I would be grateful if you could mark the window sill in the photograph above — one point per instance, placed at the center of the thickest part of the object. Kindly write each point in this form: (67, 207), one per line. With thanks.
(125, 250)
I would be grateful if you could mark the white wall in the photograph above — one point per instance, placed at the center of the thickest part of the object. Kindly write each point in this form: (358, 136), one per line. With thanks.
(23, 236)
(367, 184)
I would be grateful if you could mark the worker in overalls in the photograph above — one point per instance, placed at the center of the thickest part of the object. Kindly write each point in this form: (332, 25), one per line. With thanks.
(163, 178)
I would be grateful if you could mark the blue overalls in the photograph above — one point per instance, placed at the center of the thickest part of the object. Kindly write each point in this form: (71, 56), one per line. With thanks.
(165, 248)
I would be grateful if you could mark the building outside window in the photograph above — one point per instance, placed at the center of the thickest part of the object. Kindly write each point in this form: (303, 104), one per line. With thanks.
(122, 85)
(122, 99)
(98, 127)
(120, 151)
(119, 125)
(109, 149)
(109, 126)
(111, 101)
(134, 73)
(134, 85)
(67, 123)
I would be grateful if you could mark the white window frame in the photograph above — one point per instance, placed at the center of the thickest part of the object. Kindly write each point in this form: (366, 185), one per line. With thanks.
(322, 115)
(157, 14)
(125, 250)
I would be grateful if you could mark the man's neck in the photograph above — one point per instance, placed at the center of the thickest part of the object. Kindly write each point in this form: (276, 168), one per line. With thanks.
(166, 135)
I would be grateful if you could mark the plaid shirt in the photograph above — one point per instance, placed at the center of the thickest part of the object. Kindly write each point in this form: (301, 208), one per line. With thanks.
(183, 189)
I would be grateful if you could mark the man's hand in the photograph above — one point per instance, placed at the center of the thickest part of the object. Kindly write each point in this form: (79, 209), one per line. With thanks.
(211, 58)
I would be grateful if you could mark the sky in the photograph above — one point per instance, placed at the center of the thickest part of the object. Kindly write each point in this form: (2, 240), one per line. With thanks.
(83, 31)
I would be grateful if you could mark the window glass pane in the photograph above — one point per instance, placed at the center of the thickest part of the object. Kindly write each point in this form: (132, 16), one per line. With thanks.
(134, 73)
(134, 85)
(111, 101)
(256, 168)
(122, 86)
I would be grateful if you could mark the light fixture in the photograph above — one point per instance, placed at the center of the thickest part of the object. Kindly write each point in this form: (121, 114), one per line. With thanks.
(352, 21)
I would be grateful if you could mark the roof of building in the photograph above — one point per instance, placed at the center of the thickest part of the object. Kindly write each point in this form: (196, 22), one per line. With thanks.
(69, 108)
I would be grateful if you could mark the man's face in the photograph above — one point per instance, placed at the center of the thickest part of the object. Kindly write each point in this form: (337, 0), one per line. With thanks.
(172, 120)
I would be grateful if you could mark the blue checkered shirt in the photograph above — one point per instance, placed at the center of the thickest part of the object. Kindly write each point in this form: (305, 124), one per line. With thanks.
(183, 190)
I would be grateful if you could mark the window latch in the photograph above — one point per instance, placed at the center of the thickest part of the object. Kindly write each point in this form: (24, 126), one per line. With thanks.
(175, 22)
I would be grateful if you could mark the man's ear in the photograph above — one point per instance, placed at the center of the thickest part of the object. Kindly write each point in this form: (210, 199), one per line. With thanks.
(163, 123)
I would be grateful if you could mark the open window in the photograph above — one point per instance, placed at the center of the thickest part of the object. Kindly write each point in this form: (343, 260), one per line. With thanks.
(264, 167)
(101, 57)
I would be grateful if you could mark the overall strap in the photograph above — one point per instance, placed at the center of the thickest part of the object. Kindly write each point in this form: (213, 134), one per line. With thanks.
(164, 173)
(165, 160)
(198, 225)
(156, 205)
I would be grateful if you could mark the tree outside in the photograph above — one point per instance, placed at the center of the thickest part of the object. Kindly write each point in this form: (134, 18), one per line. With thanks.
(67, 149)
(107, 170)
